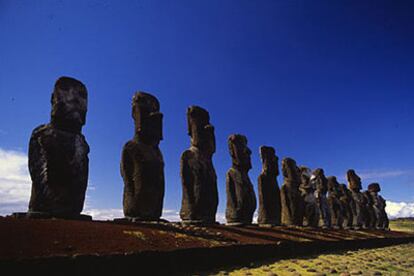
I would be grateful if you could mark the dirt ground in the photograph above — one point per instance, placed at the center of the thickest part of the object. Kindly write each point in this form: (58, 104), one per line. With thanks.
(391, 260)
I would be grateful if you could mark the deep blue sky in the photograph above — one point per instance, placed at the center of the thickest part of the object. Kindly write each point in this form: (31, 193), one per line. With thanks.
(329, 83)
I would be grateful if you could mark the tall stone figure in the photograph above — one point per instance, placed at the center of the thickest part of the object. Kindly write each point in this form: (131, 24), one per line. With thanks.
(198, 177)
(142, 165)
(321, 183)
(379, 206)
(354, 184)
(307, 189)
(334, 202)
(292, 202)
(348, 205)
(58, 155)
(241, 198)
(268, 189)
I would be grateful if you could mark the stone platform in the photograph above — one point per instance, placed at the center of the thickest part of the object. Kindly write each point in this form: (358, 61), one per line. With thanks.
(68, 247)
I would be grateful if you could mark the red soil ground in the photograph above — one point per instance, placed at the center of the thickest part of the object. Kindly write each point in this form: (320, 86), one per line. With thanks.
(31, 238)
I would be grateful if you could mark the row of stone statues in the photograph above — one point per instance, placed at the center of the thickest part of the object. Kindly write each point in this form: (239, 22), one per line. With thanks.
(58, 165)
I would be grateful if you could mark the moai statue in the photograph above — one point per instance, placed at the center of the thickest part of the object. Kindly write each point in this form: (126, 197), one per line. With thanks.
(334, 202)
(348, 205)
(58, 155)
(311, 210)
(241, 199)
(354, 184)
(319, 180)
(379, 206)
(292, 202)
(269, 193)
(142, 165)
(369, 211)
(198, 177)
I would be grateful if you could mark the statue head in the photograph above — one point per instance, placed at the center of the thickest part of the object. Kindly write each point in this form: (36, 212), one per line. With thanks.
(239, 152)
(354, 181)
(200, 130)
(147, 118)
(269, 159)
(290, 170)
(333, 184)
(305, 175)
(374, 187)
(343, 188)
(69, 104)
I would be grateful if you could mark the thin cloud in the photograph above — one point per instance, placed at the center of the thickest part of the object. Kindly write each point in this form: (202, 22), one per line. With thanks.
(381, 174)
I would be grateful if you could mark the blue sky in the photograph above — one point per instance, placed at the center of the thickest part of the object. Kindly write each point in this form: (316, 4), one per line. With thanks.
(329, 83)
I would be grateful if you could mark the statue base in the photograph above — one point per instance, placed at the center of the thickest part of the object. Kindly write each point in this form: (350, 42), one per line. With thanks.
(140, 220)
(46, 215)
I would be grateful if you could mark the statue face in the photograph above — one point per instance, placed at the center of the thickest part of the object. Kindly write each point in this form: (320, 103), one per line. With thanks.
(240, 152)
(269, 159)
(69, 104)
(210, 140)
(147, 118)
(290, 170)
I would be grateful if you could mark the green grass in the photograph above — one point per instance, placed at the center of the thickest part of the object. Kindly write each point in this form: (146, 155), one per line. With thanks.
(402, 224)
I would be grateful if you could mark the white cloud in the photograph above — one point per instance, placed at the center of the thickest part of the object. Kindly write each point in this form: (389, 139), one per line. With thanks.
(381, 174)
(15, 182)
(399, 209)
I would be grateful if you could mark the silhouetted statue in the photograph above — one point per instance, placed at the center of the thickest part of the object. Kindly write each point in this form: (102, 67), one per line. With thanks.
(311, 210)
(348, 205)
(379, 206)
(142, 165)
(369, 212)
(58, 155)
(321, 183)
(354, 184)
(241, 199)
(334, 202)
(268, 189)
(292, 202)
(198, 177)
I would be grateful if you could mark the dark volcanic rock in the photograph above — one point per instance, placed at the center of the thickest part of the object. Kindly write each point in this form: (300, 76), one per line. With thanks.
(379, 206)
(198, 177)
(241, 198)
(348, 205)
(142, 165)
(268, 189)
(307, 189)
(321, 183)
(354, 184)
(58, 155)
(334, 202)
(291, 200)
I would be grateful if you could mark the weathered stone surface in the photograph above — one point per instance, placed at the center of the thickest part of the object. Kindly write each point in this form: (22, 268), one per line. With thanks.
(321, 183)
(348, 205)
(335, 206)
(198, 177)
(291, 200)
(58, 154)
(354, 184)
(311, 210)
(241, 198)
(379, 206)
(142, 165)
(369, 212)
(268, 189)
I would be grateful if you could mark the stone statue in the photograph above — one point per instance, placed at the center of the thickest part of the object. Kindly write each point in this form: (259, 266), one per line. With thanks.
(241, 199)
(269, 193)
(58, 155)
(348, 205)
(354, 184)
(369, 211)
(379, 206)
(292, 203)
(142, 165)
(311, 210)
(334, 202)
(198, 177)
(321, 183)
